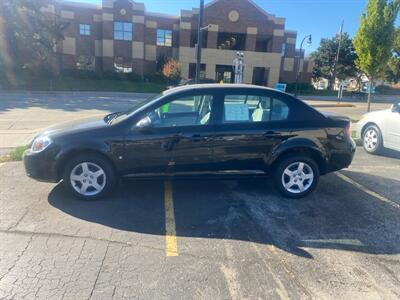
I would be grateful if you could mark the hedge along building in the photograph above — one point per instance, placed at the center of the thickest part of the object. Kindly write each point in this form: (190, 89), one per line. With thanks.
(120, 35)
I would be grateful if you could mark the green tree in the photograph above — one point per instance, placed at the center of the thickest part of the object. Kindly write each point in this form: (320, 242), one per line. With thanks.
(392, 73)
(324, 59)
(29, 34)
(374, 39)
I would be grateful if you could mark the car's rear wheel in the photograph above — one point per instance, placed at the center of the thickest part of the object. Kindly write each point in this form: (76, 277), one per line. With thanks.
(296, 177)
(372, 139)
(89, 177)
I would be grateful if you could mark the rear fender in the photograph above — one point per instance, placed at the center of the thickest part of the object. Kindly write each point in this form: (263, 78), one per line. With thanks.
(301, 146)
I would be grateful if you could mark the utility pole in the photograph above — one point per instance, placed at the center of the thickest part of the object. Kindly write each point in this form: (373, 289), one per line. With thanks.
(298, 71)
(199, 42)
(337, 54)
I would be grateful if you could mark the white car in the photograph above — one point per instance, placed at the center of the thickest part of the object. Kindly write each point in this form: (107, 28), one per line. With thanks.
(380, 129)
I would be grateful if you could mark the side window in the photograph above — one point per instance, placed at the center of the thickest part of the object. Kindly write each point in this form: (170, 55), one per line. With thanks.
(253, 109)
(185, 111)
(280, 110)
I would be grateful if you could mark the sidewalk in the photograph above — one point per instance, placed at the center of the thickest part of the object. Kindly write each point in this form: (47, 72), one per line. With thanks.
(354, 110)
(380, 99)
(10, 139)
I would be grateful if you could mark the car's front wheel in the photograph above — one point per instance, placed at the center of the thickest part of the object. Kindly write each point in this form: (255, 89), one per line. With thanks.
(372, 140)
(89, 177)
(296, 177)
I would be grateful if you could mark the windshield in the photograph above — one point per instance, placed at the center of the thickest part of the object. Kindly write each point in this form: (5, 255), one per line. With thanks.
(117, 117)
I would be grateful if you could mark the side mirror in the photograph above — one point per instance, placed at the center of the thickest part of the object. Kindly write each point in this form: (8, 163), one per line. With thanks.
(395, 107)
(144, 124)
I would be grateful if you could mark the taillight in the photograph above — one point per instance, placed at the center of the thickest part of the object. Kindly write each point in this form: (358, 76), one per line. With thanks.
(347, 130)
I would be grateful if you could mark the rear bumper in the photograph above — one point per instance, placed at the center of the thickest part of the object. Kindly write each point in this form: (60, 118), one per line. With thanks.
(341, 159)
(40, 166)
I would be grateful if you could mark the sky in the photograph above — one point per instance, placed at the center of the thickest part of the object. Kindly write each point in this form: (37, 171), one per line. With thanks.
(321, 18)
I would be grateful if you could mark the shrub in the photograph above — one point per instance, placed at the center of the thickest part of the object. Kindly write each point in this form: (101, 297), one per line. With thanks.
(156, 78)
(302, 87)
(109, 75)
(172, 70)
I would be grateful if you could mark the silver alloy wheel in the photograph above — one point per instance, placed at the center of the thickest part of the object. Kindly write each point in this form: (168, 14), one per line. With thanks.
(298, 177)
(371, 139)
(88, 179)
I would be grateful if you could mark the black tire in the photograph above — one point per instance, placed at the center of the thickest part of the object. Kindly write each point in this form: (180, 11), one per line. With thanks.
(94, 160)
(311, 184)
(368, 140)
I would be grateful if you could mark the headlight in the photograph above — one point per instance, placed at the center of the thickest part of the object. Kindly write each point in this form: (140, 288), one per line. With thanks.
(40, 143)
(361, 120)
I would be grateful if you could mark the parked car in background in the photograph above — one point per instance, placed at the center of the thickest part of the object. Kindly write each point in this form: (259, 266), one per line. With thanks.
(197, 130)
(380, 129)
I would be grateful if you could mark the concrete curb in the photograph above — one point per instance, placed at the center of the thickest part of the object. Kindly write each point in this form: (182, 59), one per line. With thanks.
(333, 105)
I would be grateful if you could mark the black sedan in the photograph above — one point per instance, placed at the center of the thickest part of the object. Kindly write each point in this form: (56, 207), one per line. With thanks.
(195, 130)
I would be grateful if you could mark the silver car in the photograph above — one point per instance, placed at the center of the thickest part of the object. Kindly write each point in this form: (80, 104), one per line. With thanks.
(380, 129)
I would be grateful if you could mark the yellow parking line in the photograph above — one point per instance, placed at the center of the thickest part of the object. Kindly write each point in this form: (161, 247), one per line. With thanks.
(171, 247)
(368, 191)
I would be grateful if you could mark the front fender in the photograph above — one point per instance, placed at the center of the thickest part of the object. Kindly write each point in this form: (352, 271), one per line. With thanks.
(69, 151)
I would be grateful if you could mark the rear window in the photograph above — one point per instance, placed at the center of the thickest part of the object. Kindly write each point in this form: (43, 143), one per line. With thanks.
(254, 109)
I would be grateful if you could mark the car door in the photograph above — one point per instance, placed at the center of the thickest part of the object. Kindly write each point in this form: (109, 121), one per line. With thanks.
(392, 130)
(250, 126)
(177, 137)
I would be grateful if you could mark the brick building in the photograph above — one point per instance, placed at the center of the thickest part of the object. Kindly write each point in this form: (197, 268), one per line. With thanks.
(120, 35)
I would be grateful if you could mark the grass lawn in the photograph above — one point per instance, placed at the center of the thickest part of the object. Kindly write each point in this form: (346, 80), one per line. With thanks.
(86, 84)
(15, 155)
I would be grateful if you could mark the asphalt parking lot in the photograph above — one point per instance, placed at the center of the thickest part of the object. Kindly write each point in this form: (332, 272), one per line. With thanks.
(209, 239)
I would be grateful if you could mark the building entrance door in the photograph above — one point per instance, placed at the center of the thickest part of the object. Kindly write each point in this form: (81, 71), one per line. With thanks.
(260, 76)
(224, 73)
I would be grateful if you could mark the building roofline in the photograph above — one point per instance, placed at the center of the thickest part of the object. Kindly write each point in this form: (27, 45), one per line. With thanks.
(155, 14)
(260, 9)
(78, 4)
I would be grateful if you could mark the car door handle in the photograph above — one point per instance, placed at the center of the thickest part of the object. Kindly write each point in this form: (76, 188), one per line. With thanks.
(197, 137)
(272, 133)
(177, 137)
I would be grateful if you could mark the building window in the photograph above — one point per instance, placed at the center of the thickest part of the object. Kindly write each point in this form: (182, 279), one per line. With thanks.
(192, 71)
(86, 63)
(283, 53)
(231, 41)
(123, 31)
(122, 66)
(193, 39)
(84, 29)
(263, 44)
(164, 38)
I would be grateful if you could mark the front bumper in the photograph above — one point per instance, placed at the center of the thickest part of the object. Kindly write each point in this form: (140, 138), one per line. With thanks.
(41, 166)
(357, 131)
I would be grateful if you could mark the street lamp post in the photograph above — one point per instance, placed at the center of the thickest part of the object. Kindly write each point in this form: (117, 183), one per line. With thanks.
(309, 41)
(199, 42)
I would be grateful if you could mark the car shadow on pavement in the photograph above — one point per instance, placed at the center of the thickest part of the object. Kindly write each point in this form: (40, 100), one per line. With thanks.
(337, 216)
(390, 153)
